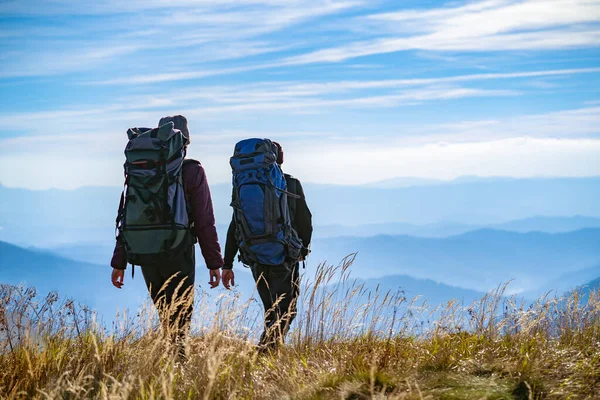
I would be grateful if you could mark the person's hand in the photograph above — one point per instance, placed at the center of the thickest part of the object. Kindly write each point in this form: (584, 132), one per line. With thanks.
(215, 277)
(117, 277)
(228, 278)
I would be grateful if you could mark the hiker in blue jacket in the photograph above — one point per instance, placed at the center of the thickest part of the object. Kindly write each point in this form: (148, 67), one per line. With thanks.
(278, 285)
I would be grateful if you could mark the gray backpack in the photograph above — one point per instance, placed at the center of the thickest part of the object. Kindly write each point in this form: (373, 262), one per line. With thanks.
(153, 221)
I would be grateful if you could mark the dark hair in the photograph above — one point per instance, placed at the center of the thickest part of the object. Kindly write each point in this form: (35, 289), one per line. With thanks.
(279, 153)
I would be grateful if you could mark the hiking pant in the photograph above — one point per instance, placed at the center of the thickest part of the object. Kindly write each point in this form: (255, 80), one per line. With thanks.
(278, 288)
(174, 309)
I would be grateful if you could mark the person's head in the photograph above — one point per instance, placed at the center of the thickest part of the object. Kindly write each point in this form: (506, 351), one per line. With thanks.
(179, 122)
(279, 153)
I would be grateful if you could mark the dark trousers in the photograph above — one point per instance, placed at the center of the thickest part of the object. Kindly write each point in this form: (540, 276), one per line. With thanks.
(278, 288)
(171, 287)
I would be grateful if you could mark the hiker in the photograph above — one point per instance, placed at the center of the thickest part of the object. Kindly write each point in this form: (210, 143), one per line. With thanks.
(165, 209)
(272, 229)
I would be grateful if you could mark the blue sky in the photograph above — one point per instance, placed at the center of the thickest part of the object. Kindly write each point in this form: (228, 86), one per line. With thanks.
(356, 91)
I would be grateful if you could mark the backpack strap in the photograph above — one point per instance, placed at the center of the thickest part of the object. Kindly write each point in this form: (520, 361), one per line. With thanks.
(121, 210)
(292, 187)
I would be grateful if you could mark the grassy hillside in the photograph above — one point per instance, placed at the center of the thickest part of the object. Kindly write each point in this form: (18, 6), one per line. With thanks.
(494, 348)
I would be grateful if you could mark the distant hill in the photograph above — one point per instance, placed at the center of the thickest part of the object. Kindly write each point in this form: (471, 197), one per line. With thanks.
(445, 229)
(593, 285)
(85, 282)
(565, 283)
(90, 283)
(478, 260)
(441, 229)
(430, 290)
(549, 224)
(480, 202)
(402, 182)
(55, 217)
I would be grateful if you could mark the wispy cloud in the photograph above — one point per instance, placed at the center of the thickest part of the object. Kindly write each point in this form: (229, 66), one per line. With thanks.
(191, 32)
(481, 26)
(290, 97)
(109, 136)
(351, 73)
(485, 26)
(225, 101)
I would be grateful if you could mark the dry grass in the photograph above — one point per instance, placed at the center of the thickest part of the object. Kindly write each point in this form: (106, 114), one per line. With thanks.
(346, 343)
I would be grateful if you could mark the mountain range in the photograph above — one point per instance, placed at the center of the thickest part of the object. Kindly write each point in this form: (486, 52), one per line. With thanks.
(478, 260)
(445, 229)
(55, 217)
(90, 283)
(443, 240)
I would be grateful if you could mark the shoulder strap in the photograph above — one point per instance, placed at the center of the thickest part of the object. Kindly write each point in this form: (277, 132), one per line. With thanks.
(293, 188)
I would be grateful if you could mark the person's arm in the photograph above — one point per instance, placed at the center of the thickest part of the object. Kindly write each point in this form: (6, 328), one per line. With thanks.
(231, 249)
(231, 246)
(119, 263)
(119, 258)
(303, 217)
(203, 216)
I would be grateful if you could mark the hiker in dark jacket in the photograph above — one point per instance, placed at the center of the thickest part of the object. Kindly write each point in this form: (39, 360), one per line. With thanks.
(277, 286)
(180, 271)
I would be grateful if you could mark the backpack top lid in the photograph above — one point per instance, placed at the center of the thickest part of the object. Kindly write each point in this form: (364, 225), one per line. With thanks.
(163, 132)
(146, 143)
(253, 146)
(180, 123)
(249, 153)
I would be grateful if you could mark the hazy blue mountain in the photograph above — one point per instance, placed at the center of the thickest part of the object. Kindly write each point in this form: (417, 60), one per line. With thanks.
(440, 229)
(96, 253)
(549, 224)
(445, 229)
(85, 282)
(90, 284)
(479, 260)
(430, 290)
(565, 282)
(402, 182)
(593, 285)
(585, 290)
(473, 202)
(55, 217)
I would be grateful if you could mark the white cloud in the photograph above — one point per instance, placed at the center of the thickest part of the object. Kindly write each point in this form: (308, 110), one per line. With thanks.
(143, 110)
(341, 163)
(195, 32)
(515, 157)
(72, 56)
(109, 7)
(479, 26)
(492, 17)
(210, 31)
(562, 143)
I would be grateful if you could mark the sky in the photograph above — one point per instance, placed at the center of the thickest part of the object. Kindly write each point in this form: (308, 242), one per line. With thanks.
(356, 91)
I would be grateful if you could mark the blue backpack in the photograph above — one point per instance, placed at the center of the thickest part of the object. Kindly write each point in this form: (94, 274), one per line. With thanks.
(260, 208)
